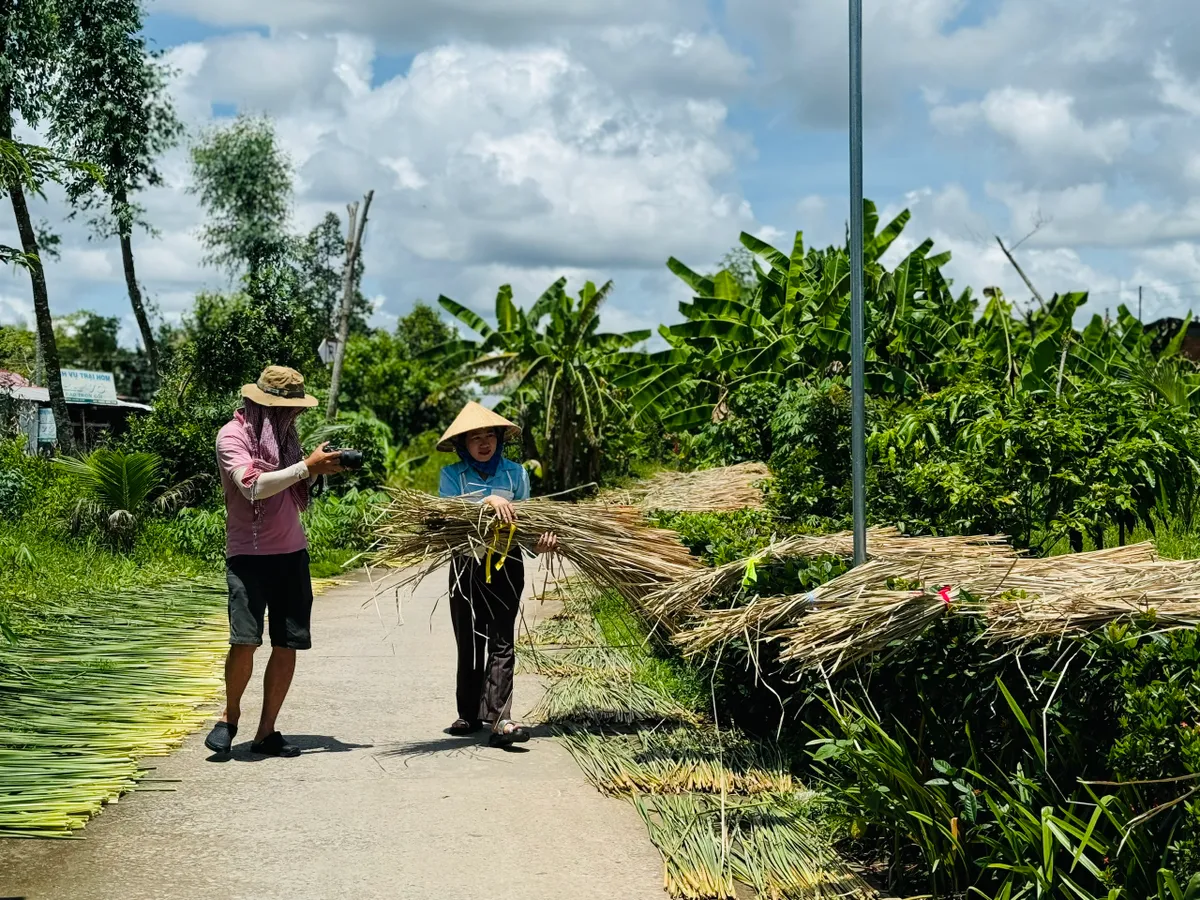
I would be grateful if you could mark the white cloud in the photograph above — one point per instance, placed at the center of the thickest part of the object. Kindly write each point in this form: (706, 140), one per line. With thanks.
(1084, 215)
(482, 158)
(15, 310)
(1174, 89)
(1042, 126)
(417, 23)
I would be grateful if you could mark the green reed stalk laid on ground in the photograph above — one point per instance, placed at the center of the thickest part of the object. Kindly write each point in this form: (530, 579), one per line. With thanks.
(96, 688)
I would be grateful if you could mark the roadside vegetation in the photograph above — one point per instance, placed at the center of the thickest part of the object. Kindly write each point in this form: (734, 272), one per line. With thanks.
(942, 765)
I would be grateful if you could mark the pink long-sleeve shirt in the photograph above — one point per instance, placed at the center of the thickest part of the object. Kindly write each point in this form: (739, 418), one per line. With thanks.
(279, 527)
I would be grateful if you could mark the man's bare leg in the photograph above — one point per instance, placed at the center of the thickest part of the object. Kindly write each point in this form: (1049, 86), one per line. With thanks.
(239, 666)
(280, 669)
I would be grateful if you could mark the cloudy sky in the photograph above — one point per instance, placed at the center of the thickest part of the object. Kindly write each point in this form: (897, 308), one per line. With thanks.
(517, 140)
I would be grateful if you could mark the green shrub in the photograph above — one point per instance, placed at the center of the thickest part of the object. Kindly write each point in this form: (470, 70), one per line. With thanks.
(355, 431)
(721, 537)
(182, 429)
(1036, 466)
(418, 466)
(745, 434)
(13, 493)
(344, 522)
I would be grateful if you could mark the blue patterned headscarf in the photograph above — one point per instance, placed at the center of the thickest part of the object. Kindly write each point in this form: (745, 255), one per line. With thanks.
(489, 467)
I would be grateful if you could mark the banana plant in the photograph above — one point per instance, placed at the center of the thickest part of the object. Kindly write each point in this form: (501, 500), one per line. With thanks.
(796, 324)
(553, 367)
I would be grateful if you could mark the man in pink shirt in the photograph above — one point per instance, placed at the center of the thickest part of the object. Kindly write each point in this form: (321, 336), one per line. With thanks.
(266, 478)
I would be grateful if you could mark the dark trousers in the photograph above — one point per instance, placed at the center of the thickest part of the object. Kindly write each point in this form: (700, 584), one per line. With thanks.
(485, 623)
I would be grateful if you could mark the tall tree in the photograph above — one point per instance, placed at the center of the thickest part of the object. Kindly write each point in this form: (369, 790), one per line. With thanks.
(244, 181)
(354, 238)
(28, 54)
(114, 113)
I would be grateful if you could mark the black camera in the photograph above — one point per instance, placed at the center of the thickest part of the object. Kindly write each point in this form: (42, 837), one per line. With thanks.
(348, 459)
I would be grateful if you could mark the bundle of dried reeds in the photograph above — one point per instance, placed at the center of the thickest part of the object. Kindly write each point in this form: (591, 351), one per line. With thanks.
(889, 543)
(752, 623)
(832, 637)
(1165, 593)
(857, 614)
(610, 546)
(706, 490)
(894, 555)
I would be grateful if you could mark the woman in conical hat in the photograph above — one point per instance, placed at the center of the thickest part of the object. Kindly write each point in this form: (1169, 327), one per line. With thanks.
(484, 609)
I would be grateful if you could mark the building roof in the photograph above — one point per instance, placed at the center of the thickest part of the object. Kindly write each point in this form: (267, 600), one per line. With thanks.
(33, 394)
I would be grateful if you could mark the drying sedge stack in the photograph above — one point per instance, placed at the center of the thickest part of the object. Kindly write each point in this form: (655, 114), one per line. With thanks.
(1164, 593)
(706, 490)
(863, 611)
(913, 558)
(610, 546)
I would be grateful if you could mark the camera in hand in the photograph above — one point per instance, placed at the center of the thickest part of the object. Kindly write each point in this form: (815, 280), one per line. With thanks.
(348, 459)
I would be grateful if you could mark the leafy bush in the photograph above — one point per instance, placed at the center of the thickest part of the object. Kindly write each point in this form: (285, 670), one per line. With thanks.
(745, 434)
(390, 376)
(810, 434)
(1036, 466)
(182, 429)
(419, 465)
(231, 338)
(13, 493)
(356, 431)
(721, 537)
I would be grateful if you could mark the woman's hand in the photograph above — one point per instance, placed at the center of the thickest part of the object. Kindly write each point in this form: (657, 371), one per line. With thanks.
(322, 462)
(505, 511)
(547, 543)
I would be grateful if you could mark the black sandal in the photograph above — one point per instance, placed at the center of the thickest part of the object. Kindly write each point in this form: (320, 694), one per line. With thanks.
(461, 727)
(274, 744)
(220, 739)
(502, 736)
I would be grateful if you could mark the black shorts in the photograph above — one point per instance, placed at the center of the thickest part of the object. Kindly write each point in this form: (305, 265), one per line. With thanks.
(277, 585)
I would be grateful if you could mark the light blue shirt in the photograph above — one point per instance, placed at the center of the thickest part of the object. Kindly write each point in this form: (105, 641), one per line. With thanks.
(511, 482)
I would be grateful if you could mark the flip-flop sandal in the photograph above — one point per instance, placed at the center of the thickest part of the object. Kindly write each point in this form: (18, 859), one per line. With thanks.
(504, 737)
(274, 744)
(220, 739)
(462, 727)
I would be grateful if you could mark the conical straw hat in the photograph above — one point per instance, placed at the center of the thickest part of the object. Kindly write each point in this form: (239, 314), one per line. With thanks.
(475, 416)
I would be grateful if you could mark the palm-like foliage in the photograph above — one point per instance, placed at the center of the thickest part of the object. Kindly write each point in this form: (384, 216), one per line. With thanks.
(553, 367)
(118, 489)
(795, 323)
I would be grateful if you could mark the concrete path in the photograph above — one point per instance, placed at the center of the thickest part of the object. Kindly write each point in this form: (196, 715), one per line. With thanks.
(382, 804)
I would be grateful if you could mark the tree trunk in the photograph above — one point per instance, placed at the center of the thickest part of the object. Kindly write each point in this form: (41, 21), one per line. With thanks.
(563, 445)
(353, 248)
(1076, 541)
(45, 325)
(135, 293)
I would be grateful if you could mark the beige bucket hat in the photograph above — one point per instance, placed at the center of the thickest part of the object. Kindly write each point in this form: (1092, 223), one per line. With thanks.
(475, 416)
(279, 386)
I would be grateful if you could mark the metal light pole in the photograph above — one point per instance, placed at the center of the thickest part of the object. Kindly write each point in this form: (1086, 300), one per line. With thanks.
(858, 430)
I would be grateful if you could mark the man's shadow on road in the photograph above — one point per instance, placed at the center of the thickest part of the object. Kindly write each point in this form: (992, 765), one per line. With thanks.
(308, 744)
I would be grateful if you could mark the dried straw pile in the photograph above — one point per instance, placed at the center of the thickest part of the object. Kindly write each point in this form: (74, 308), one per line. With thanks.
(609, 546)
(892, 556)
(861, 612)
(1166, 594)
(706, 490)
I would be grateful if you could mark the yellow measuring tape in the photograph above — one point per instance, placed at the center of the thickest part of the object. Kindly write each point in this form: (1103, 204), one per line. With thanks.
(487, 564)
